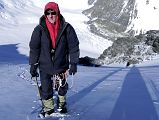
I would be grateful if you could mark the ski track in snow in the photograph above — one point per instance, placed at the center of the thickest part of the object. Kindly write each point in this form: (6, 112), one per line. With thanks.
(103, 93)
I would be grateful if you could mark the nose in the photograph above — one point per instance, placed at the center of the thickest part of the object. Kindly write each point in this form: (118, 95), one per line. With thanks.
(49, 15)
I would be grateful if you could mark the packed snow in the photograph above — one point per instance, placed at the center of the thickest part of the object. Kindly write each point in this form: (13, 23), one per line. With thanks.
(96, 93)
(113, 92)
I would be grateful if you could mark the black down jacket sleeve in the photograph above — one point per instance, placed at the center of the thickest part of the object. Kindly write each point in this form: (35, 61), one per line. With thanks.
(35, 46)
(73, 45)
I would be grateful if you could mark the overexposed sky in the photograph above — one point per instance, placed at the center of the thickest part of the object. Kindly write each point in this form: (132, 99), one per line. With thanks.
(69, 4)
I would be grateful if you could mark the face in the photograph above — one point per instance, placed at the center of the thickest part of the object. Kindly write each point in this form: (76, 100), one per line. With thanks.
(51, 15)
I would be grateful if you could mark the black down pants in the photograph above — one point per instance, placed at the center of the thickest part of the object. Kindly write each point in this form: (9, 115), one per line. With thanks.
(47, 84)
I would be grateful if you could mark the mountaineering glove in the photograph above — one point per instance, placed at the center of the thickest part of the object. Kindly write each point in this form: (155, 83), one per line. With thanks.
(73, 69)
(33, 71)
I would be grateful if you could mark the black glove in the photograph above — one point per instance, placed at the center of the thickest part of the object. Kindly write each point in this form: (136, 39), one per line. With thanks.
(73, 69)
(33, 71)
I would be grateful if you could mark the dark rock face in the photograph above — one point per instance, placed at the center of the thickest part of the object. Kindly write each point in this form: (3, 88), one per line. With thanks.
(109, 16)
(110, 19)
(88, 61)
(133, 49)
(153, 39)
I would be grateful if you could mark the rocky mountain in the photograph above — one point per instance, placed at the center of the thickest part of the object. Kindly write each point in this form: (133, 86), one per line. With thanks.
(111, 19)
(134, 49)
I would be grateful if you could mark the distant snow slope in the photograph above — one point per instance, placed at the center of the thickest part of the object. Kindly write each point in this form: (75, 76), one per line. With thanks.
(18, 18)
(145, 16)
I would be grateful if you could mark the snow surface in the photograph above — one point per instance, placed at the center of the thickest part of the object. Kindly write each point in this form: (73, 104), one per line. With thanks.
(96, 93)
(147, 16)
(111, 92)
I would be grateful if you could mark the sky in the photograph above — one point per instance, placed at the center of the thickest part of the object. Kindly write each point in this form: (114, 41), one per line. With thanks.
(113, 92)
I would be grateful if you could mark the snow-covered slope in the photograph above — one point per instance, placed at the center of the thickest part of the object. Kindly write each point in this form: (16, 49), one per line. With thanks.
(18, 18)
(145, 16)
(103, 93)
(16, 12)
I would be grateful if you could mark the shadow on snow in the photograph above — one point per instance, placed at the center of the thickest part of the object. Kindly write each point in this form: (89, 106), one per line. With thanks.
(134, 102)
(9, 54)
(77, 97)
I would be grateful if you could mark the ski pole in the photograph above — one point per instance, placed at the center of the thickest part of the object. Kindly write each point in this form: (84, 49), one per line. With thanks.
(72, 80)
(37, 84)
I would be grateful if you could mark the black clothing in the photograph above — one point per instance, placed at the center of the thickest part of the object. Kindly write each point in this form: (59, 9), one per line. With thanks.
(54, 61)
(73, 69)
(47, 85)
(33, 71)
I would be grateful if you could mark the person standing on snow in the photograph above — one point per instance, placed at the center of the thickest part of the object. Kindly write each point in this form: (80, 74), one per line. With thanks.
(53, 47)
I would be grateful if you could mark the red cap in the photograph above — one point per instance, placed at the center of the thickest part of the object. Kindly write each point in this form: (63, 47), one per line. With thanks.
(53, 6)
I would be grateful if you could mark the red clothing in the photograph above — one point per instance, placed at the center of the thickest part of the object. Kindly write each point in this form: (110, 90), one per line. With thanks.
(53, 28)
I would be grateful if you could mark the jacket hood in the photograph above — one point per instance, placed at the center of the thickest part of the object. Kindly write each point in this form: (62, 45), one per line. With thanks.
(53, 6)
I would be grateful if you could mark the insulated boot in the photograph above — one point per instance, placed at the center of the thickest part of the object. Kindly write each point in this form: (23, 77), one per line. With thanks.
(61, 104)
(47, 113)
(48, 108)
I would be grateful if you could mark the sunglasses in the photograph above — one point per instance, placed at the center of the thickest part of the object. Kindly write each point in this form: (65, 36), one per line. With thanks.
(50, 12)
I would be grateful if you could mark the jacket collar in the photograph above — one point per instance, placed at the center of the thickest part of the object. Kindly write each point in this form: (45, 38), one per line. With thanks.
(62, 27)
